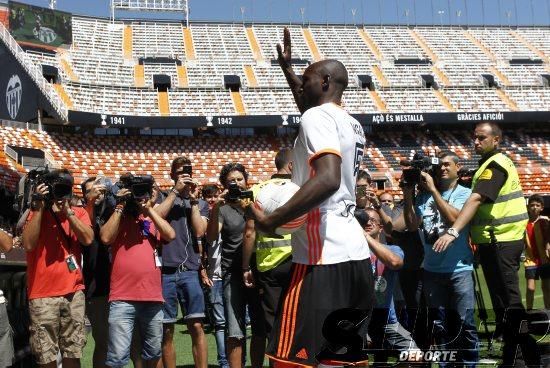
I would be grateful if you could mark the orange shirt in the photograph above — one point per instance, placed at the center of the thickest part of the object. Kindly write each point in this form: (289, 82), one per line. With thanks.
(537, 236)
(47, 272)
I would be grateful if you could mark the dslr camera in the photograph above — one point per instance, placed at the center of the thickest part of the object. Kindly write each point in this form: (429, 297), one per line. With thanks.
(140, 187)
(419, 164)
(235, 193)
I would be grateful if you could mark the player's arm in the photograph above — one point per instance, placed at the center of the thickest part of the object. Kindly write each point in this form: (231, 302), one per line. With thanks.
(284, 57)
(315, 191)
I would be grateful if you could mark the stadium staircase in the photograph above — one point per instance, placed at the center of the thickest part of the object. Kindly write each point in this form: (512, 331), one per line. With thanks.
(422, 43)
(499, 75)
(521, 39)
(183, 79)
(507, 100)
(254, 44)
(127, 43)
(250, 76)
(139, 75)
(238, 102)
(164, 104)
(380, 104)
(441, 76)
(189, 45)
(444, 100)
(380, 76)
(63, 94)
(370, 43)
(311, 44)
(481, 46)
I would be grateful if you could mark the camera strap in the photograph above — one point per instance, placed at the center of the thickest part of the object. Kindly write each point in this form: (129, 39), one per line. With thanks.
(60, 229)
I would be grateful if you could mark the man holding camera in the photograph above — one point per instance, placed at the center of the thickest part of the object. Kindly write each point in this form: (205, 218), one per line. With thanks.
(448, 283)
(52, 237)
(135, 232)
(497, 214)
(188, 215)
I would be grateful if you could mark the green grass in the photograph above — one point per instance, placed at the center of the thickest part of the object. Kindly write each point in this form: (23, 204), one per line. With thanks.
(183, 340)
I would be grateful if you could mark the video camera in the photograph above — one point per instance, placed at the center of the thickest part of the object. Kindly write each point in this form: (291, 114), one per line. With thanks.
(419, 164)
(465, 176)
(140, 187)
(60, 187)
(235, 193)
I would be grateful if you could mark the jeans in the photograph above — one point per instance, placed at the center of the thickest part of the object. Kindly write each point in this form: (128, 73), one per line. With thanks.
(122, 316)
(450, 297)
(215, 307)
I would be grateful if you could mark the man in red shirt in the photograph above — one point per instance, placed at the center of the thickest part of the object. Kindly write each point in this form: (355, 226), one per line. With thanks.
(52, 238)
(134, 232)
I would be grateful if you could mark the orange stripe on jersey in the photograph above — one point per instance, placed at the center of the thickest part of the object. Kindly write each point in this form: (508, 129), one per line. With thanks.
(320, 153)
(303, 269)
(290, 323)
(314, 238)
(286, 316)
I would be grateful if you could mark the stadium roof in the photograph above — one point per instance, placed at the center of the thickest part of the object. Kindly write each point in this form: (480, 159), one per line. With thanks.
(372, 12)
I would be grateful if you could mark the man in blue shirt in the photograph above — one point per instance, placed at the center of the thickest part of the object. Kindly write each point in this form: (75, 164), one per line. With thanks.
(181, 263)
(448, 282)
(385, 330)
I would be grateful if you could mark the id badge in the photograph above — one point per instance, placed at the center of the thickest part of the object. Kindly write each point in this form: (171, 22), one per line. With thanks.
(71, 263)
(158, 259)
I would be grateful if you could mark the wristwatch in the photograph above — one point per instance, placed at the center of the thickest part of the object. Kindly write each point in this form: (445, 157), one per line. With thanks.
(452, 232)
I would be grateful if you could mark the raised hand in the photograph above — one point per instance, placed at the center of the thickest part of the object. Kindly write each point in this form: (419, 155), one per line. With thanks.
(284, 53)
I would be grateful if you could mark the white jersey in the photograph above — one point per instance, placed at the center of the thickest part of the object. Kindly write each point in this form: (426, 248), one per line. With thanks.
(331, 234)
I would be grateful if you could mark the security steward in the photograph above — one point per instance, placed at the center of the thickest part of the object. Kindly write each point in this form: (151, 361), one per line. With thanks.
(273, 255)
(497, 214)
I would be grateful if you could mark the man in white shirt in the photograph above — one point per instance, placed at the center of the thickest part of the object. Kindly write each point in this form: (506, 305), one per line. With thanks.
(326, 307)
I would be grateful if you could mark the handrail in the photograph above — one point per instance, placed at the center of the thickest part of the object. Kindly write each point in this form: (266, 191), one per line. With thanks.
(34, 72)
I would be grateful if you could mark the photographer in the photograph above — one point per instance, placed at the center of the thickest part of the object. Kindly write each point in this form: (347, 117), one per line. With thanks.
(188, 215)
(6, 338)
(385, 330)
(229, 212)
(52, 237)
(134, 232)
(448, 283)
(497, 215)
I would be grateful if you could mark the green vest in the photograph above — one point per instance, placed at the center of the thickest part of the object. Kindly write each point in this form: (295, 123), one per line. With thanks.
(507, 217)
(270, 252)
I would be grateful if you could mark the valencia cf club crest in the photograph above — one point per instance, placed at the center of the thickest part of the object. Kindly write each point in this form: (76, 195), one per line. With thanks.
(14, 92)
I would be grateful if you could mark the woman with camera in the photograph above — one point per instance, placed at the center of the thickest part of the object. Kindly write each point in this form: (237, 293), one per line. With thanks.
(229, 209)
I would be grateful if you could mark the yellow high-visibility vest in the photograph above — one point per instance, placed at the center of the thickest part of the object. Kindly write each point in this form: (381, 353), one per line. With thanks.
(504, 219)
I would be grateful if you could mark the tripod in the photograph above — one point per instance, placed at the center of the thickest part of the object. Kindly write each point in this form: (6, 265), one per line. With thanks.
(481, 309)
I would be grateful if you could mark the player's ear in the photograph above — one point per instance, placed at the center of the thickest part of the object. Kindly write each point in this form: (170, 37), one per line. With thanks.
(326, 82)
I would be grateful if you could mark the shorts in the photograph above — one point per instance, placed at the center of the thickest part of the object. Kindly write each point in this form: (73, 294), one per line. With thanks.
(318, 302)
(185, 288)
(122, 317)
(57, 324)
(272, 283)
(6, 338)
(236, 297)
(537, 272)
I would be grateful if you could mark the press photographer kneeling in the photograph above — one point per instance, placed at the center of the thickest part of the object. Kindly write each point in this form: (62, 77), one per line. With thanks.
(134, 232)
(448, 282)
(52, 237)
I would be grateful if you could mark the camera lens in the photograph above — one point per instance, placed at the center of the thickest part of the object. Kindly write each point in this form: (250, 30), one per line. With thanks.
(62, 191)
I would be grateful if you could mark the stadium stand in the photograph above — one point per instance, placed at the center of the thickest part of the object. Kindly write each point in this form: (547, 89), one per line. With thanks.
(109, 69)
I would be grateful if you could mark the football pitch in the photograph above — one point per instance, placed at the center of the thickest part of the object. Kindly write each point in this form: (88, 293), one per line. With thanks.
(183, 340)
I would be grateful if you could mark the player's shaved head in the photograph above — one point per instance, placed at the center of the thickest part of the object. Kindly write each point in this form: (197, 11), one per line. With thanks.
(335, 69)
(323, 82)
